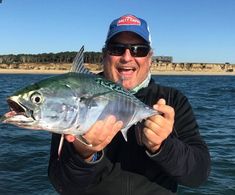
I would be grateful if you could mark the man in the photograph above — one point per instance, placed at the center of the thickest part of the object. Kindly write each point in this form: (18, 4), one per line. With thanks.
(165, 151)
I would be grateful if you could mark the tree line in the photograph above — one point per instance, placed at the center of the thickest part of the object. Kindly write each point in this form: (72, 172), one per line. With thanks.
(61, 57)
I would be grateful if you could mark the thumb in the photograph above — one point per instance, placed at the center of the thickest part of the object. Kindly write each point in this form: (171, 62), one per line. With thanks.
(161, 101)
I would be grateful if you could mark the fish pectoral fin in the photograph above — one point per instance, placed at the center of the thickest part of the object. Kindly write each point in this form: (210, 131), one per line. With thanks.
(91, 101)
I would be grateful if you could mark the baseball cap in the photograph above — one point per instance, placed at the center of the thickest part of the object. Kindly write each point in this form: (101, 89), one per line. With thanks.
(129, 23)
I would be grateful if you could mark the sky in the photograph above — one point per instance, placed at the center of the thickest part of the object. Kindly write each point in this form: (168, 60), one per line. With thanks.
(188, 30)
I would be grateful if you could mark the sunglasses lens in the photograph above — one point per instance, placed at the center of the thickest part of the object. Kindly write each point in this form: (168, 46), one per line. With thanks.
(140, 50)
(116, 50)
(136, 50)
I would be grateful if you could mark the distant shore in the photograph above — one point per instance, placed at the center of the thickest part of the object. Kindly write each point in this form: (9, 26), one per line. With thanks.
(156, 68)
(31, 71)
(167, 72)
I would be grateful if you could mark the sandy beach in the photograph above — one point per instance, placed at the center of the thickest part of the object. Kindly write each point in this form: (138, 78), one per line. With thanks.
(32, 71)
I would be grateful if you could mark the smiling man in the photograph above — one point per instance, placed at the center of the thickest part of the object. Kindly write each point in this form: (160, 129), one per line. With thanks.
(164, 151)
(127, 52)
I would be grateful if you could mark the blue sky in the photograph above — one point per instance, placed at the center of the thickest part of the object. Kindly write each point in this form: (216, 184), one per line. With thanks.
(187, 30)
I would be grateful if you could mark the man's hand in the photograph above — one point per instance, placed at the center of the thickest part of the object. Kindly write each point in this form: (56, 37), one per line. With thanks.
(99, 136)
(158, 127)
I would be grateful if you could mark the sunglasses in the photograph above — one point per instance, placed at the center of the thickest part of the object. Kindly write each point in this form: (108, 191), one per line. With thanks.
(136, 50)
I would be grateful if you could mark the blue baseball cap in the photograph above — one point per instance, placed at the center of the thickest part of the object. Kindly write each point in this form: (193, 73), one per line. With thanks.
(129, 23)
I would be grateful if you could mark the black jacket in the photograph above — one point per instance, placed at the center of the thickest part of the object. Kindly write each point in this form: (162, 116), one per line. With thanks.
(126, 167)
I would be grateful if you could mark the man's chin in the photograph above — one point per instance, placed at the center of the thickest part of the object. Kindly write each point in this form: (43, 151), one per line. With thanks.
(128, 84)
(127, 75)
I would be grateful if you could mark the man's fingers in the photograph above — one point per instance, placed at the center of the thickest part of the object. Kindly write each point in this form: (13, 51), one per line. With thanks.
(100, 134)
(112, 132)
(167, 111)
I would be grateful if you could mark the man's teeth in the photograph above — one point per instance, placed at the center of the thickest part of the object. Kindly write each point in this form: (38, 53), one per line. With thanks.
(126, 69)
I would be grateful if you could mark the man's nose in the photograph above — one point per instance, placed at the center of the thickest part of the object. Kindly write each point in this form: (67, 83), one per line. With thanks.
(127, 55)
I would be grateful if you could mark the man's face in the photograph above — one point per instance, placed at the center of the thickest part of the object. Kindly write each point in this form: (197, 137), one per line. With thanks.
(129, 70)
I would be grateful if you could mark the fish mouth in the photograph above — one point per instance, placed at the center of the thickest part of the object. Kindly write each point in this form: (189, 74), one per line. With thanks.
(18, 114)
(16, 108)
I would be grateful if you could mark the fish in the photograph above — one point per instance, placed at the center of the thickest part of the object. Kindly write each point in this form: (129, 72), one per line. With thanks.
(71, 103)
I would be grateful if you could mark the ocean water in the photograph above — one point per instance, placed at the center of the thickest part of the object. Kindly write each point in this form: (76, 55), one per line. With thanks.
(24, 154)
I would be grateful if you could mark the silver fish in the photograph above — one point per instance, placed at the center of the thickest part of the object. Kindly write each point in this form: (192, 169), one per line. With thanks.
(71, 103)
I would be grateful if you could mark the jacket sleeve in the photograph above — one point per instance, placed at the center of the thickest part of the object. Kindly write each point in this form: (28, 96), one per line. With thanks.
(70, 173)
(184, 155)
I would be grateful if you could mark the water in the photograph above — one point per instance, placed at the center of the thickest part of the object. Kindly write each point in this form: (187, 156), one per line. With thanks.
(24, 154)
(212, 98)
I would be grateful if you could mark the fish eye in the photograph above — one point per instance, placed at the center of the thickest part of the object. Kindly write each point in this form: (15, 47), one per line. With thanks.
(36, 98)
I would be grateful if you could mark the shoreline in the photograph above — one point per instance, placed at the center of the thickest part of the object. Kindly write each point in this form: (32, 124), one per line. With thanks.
(32, 71)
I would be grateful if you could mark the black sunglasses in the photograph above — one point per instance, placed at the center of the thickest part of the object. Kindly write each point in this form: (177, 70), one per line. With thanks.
(136, 50)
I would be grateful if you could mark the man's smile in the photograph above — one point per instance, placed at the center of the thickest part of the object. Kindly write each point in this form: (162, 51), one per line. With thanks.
(126, 72)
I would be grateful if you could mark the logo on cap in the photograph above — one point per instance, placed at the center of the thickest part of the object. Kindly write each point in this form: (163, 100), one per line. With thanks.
(128, 20)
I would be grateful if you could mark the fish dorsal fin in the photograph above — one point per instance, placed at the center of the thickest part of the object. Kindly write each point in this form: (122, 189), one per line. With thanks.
(78, 65)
